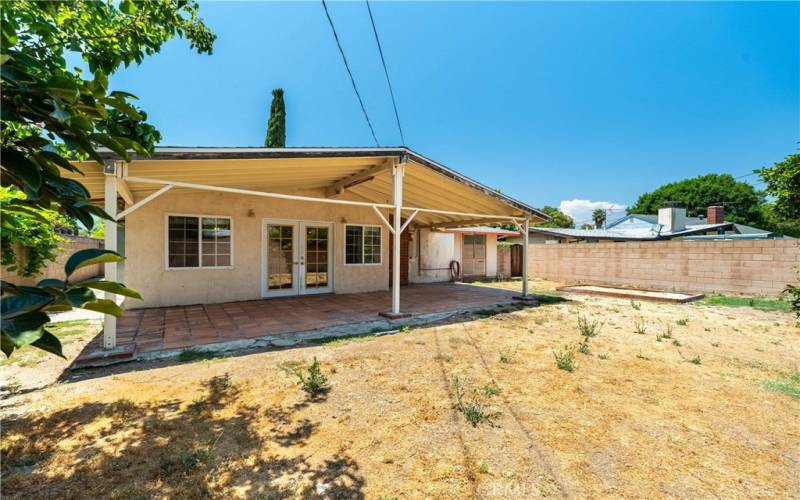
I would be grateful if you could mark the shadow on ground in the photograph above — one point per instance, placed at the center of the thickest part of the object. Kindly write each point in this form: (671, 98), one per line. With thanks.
(213, 446)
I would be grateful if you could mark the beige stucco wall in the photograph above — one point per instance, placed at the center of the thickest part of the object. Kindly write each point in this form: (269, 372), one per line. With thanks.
(437, 249)
(145, 235)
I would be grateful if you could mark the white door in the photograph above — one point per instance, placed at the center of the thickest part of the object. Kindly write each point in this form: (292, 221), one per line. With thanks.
(296, 258)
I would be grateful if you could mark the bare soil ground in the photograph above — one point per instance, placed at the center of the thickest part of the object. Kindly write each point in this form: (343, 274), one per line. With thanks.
(679, 409)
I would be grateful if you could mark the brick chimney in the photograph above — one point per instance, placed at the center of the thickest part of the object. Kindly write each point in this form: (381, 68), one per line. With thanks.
(715, 214)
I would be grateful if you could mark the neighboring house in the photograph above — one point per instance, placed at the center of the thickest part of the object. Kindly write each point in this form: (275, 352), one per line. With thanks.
(212, 225)
(670, 223)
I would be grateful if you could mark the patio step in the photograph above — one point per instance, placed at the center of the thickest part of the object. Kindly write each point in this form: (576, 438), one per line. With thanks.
(104, 357)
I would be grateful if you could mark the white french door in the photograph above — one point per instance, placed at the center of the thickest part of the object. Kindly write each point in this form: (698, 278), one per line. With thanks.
(296, 258)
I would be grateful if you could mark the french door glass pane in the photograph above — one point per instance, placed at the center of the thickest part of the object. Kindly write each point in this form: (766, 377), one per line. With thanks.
(316, 272)
(280, 254)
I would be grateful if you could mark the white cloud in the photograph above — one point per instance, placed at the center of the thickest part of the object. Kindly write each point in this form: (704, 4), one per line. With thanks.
(581, 210)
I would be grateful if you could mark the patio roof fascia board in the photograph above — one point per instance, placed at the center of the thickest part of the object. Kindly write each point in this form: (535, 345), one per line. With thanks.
(206, 187)
(403, 153)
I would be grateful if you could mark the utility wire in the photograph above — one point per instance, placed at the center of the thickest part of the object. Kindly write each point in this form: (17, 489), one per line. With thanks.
(347, 66)
(386, 72)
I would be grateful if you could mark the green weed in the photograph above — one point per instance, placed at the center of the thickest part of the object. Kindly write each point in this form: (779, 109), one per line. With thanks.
(789, 385)
(565, 359)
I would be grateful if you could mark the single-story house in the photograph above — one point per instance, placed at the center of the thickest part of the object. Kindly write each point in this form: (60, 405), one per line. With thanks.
(213, 225)
(670, 223)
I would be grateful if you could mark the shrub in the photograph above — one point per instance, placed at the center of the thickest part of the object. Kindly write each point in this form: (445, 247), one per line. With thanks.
(583, 348)
(565, 359)
(474, 411)
(312, 381)
(588, 329)
(635, 305)
(682, 322)
(640, 326)
(490, 390)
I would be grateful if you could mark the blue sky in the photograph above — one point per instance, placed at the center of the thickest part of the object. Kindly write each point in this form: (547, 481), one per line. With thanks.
(549, 102)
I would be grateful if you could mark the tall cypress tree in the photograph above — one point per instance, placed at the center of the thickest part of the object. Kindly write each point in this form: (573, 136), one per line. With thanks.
(276, 127)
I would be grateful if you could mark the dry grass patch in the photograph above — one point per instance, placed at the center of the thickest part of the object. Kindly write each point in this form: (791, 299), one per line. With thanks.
(634, 420)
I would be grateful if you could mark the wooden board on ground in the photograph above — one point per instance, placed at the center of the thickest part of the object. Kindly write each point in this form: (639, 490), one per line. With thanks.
(632, 293)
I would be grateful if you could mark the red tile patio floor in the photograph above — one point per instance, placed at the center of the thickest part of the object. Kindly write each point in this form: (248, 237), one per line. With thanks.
(164, 328)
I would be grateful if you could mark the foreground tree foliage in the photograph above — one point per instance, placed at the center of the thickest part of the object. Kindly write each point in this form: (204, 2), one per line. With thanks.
(29, 239)
(51, 114)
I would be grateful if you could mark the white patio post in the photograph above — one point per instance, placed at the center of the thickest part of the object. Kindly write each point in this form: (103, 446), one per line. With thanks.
(397, 198)
(525, 238)
(110, 322)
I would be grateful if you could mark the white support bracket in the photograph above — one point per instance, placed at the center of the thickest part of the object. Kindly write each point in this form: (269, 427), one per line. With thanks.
(408, 221)
(384, 219)
(144, 201)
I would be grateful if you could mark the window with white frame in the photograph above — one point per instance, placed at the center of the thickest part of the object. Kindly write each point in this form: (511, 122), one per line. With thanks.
(362, 244)
(199, 241)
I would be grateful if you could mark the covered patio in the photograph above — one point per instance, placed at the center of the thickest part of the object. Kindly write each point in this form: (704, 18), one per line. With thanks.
(352, 195)
(153, 332)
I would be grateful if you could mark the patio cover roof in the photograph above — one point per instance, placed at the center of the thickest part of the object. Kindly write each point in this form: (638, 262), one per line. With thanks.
(356, 174)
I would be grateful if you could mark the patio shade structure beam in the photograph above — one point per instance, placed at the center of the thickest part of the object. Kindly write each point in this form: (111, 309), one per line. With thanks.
(144, 201)
(383, 219)
(266, 194)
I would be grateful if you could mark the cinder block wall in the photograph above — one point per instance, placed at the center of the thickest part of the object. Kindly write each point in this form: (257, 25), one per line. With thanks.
(760, 267)
(56, 269)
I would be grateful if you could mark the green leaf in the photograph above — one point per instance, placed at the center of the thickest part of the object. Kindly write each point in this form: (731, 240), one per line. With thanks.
(109, 142)
(25, 329)
(127, 7)
(104, 306)
(79, 296)
(22, 166)
(89, 256)
(6, 345)
(111, 287)
(51, 282)
(17, 305)
(50, 343)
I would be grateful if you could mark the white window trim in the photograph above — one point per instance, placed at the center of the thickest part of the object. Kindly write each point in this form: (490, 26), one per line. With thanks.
(344, 245)
(200, 266)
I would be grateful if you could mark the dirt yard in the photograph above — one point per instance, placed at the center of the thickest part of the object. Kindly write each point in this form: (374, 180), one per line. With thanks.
(689, 401)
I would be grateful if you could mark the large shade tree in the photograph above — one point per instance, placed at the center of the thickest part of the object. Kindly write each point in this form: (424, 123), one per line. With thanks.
(52, 114)
(557, 218)
(741, 200)
(782, 182)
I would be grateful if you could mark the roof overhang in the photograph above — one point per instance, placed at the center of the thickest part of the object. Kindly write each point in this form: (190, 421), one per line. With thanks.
(356, 174)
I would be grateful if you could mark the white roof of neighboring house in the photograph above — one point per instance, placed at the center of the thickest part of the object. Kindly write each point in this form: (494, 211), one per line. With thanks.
(481, 230)
(638, 233)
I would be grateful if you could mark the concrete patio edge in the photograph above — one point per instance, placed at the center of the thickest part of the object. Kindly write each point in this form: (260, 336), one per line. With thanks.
(384, 326)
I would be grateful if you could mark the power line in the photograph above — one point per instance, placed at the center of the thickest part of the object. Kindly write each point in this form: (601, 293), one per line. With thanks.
(386, 72)
(347, 67)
